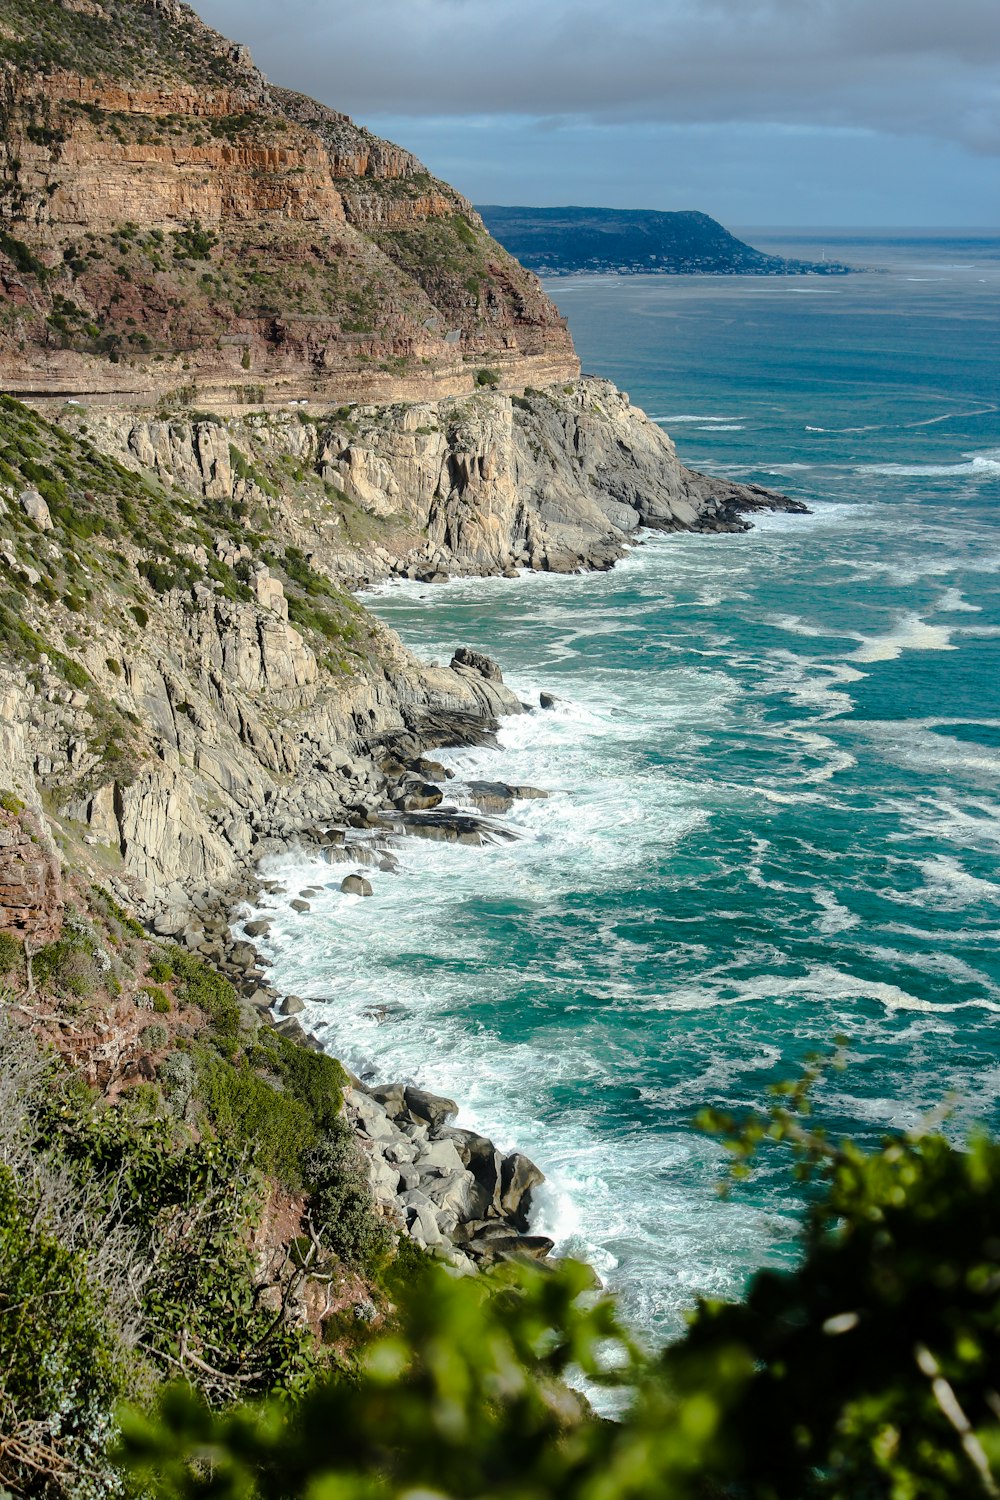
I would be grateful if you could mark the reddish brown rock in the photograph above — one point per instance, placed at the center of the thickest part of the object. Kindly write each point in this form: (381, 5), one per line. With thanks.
(31, 896)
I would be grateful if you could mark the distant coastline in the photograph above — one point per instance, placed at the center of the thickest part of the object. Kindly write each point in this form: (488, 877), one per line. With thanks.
(631, 242)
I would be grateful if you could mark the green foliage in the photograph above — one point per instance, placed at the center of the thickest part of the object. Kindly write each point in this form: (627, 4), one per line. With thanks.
(24, 258)
(463, 1400)
(275, 1103)
(159, 968)
(200, 985)
(61, 1372)
(171, 572)
(194, 242)
(190, 1208)
(254, 1117)
(340, 1201)
(488, 377)
(11, 803)
(867, 1372)
(68, 966)
(11, 953)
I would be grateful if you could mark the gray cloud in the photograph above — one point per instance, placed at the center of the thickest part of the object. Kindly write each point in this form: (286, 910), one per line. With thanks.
(901, 67)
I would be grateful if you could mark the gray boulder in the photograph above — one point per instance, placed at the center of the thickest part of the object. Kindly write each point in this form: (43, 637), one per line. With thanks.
(355, 885)
(519, 1176)
(433, 1108)
(292, 1005)
(477, 661)
(391, 1096)
(35, 509)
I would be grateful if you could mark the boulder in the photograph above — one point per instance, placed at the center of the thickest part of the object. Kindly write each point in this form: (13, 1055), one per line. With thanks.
(490, 796)
(477, 661)
(257, 929)
(292, 1005)
(452, 1193)
(423, 1225)
(547, 700)
(433, 1108)
(518, 1177)
(510, 1247)
(391, 1096)
(299, 905)
(355, 885)
(419, 796)
(35, 509)
(441, 1155)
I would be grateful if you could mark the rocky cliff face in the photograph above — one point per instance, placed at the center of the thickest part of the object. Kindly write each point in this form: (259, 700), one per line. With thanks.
(556, 479)
(169, 221)
(160, 700)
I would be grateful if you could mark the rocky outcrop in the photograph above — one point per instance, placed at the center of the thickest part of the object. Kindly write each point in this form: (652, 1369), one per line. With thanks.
(556, 479)
(31, 897)
(450, 1189)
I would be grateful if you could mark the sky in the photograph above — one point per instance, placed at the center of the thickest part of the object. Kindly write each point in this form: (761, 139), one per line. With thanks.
(812, 113)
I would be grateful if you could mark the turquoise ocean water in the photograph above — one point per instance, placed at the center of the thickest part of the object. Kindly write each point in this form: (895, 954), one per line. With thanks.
(775, 809)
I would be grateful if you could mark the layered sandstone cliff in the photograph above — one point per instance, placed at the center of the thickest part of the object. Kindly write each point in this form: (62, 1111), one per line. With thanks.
(171, 222)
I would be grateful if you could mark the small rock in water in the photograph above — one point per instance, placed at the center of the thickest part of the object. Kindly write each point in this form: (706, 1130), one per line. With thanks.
(300, 906)
(292, 1005)
(355, 885)
(547, 700)
(257, 928)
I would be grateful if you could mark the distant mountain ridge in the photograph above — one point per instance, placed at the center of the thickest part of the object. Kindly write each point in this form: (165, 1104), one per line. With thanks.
(634, 240)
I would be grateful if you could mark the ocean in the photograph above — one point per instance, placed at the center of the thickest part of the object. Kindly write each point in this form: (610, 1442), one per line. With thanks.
(774, 810)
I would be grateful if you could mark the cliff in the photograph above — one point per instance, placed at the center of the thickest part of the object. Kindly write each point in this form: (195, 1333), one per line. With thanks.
(185, 678)
(170, 222)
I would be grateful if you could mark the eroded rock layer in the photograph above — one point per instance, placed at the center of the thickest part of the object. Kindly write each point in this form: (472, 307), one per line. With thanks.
(169, 221)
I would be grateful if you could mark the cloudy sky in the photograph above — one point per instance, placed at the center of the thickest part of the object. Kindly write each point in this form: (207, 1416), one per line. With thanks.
(761, 112)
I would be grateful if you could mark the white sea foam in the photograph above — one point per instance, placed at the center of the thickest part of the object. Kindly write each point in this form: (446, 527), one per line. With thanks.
(910, 633)
(686, 416)
(983, 466)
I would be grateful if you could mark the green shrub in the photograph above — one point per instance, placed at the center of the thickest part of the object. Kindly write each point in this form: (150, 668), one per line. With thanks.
(154, 1038)
(340, 1200)
(487, 377)
(67, 966)
(11, 953)
(160, 999)
(314, 1079)
(11, 803)
(200, 985)
(61, 1373)
(254, 1118)
(160, 969)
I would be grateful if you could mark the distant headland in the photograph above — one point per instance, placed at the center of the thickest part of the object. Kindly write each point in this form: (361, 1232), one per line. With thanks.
(631, 241)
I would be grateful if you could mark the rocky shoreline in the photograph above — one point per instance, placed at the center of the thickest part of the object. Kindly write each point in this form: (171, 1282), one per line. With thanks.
(452, 1190)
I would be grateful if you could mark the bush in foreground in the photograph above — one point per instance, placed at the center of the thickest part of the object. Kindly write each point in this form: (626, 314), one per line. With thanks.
(869, 1372)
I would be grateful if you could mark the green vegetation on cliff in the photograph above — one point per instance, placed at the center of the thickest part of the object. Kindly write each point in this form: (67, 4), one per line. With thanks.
(189, 1217)
(132, 42)
(868, 1372)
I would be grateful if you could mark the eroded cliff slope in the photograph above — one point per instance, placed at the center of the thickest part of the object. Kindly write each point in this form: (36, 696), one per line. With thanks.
(169, 221)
